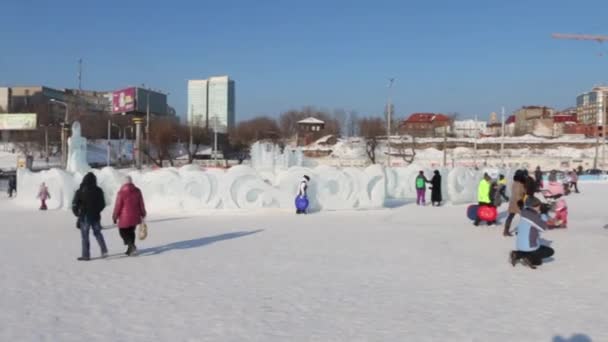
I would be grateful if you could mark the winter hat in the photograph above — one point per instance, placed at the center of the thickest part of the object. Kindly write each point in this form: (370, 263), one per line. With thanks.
(534, 202)
(306, 178)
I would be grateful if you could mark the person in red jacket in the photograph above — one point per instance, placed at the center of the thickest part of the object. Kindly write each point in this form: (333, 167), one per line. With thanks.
(129, 211)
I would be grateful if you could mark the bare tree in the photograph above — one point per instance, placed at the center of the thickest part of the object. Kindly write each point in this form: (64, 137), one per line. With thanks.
(352, 124)
(407, 154)
(370, 129)
(163, 132)
(250, 131)
(195, 137)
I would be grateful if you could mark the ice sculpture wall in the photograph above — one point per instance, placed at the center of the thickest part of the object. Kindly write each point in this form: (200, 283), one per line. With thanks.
(243, 187)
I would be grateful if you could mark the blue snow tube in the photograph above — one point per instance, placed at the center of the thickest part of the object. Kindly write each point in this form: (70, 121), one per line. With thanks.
(301, 203)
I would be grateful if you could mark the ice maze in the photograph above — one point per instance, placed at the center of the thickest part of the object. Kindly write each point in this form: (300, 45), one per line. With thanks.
(243, 187)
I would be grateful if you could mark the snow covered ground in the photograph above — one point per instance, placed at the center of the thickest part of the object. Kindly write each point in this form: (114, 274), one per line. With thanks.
(400, 274)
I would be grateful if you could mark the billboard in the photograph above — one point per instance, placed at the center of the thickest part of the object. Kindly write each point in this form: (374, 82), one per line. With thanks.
(156, 101)
(18, 121)
(123, 101)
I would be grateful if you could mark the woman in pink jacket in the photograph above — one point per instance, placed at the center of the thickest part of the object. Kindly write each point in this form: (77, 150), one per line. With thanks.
(129, 211)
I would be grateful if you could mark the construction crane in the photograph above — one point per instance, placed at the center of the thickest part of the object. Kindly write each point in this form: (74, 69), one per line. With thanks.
(597, 38)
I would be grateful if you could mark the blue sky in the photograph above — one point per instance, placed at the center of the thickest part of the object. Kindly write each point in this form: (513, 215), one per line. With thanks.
(466, 56)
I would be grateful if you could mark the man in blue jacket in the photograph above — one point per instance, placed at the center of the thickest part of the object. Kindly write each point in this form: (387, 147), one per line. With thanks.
(529, 249)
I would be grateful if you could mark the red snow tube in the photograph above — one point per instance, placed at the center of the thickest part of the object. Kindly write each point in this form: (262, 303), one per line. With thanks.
(487, 213)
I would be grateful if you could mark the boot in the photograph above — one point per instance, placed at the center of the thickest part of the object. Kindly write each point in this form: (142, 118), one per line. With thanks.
(513, 258)
(84, 259)
(526, 261)
(129, 250)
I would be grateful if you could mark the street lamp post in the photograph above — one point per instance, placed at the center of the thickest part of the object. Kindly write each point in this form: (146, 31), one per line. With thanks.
(64, 129)
(215, 140)
(388, 122)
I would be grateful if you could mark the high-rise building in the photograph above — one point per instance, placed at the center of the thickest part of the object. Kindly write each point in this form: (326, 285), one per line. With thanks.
(211, 103)
(589, 106)
(197, 102)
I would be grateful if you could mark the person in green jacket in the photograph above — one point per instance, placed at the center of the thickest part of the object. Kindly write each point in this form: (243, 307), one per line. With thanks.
(421, 188)
(483, 195)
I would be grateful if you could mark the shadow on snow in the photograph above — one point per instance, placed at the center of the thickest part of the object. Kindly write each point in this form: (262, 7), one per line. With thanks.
(195, 243)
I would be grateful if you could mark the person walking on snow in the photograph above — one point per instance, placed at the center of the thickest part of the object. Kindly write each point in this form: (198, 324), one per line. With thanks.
(43, 196)
(12, 186)
(518, 192)
(502, 187)
(574, 181)
(538, 176)
(436, 197)
(528, 243)
(129, 211)
(421, 188)
(87, 205)
(302, 192)
(484, 196)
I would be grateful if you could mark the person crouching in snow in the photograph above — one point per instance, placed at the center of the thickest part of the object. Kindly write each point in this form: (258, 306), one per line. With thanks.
(129, 211)
(43, 196)
(421, 188)
(302, 192)
(529, 250)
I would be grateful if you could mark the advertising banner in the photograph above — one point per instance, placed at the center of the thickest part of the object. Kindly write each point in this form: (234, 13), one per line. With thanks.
(123, 101)
(18, 121)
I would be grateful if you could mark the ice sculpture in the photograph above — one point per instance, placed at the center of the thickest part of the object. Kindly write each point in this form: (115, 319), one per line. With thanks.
(268, 157)
(244, 187)
(77, 151)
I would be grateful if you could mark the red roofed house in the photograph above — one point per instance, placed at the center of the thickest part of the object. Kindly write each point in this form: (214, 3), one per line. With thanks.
(425, 124)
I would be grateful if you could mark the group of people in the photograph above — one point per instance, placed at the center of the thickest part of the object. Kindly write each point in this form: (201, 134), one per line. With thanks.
(421, 182)
(534, 214)
(89, 202)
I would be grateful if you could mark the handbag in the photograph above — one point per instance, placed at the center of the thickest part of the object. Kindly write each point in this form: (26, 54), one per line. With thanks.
(142, 230)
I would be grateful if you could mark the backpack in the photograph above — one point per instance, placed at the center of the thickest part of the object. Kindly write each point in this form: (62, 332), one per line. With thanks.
(419, 182)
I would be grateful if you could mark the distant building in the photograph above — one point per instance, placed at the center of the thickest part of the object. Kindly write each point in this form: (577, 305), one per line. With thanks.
(592, 108)
(426, 124)
(468, 128)
(197, 102)
(5, 99)
(211, 103)
(309, 130)
(562, 122)
(526, 118)
(93, 102)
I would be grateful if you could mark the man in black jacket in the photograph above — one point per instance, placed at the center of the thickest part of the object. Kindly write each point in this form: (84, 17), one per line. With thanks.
(88, 204)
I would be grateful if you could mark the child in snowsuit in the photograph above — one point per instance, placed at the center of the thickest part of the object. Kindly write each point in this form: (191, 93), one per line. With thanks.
(43, 195)
(528, 248)
(560, 220)
(421, 188)
(302, 192)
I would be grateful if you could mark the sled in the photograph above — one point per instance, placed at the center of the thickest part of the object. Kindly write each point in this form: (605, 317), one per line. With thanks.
(487, 213)
(472, 212)
(301, 203)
